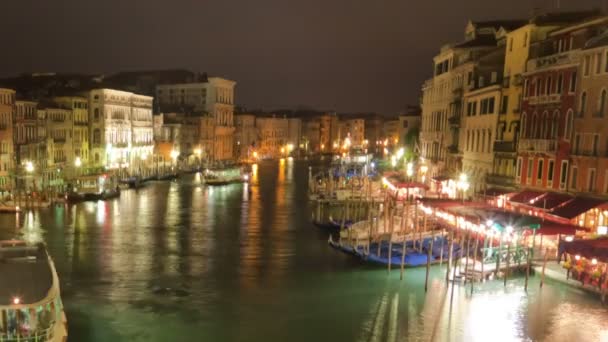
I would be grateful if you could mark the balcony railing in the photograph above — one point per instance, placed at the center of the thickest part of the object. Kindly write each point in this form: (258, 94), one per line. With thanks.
(545, 99)
(537, 145)
(504, 146)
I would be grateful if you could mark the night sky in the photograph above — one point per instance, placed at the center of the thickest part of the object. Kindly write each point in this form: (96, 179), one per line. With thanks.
(345, 55)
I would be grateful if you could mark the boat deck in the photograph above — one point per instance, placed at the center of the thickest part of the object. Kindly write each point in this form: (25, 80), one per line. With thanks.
(26, 274)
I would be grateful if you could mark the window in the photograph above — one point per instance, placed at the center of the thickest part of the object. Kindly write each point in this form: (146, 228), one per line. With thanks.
(524, 125)
(563, 174)
(537, 88)
(573, 178)
(539, 171)
(598, 63)
(591, 180)
(96, 136)
(518, 168)
(586, 65)
(573, 82)
(96, 113)
(405, 123)
(491, 105)
(548, 85)
(550, 171)
(529, 171)
(526, 39)
(560, 84)
(511, 44)
(596, 144)
(583, 106)
(504, 104)
(606, 62)
(602, 106)
(577, 143)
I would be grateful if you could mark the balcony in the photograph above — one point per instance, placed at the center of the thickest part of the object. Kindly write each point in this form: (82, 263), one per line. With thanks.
(500, 180)
(545, 99)
(537, 145)
(504, 146)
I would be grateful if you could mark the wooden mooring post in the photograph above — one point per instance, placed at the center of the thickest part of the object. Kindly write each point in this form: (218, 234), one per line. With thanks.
(428, 264)
(542, 276)
(506, 273)
(450, 253)
(404, 233)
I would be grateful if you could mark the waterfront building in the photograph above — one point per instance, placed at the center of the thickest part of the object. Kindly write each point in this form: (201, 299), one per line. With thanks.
(214, 96)
(479, 119)
(329, 131)
(79, 130)
(7, 106)
(278, 137)
(442, 100)
(518, 45)
(409, 124)
(352, 132)
(311, 135)
(589, 140)
(176, 136)
(59, 146)
(373, 133)
(245, 135)
(391, 131)
(121, 130)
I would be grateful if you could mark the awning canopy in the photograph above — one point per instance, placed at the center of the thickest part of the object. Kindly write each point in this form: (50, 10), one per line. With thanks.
(526, 196)
(555, 228)
(551, 200)
(590, 249)
(577, 206)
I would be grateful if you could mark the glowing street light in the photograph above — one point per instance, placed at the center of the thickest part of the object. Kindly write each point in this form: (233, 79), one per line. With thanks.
(29, 167)
(198, 152)
(78, 162)
(400, 153)
(410, 169)
(174, 155)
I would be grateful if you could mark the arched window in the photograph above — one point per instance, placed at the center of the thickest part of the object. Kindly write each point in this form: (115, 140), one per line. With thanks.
(96, 136)
(602, 106)
(524, 125)
(583, 105)
(569, 123)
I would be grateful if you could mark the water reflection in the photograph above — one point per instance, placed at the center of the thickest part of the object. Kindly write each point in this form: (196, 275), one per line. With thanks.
(179, 259)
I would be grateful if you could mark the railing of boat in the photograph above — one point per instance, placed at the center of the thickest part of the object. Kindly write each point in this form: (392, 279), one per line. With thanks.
(43, 335)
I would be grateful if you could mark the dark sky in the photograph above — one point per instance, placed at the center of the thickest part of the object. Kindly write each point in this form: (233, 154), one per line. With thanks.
(346, 55)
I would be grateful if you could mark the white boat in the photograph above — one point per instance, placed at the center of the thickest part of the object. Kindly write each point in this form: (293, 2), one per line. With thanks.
(225, 176)
(30, 303)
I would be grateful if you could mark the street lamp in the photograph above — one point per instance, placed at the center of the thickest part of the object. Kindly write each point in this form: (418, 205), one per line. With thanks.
(78, 162)
(463, 184)
(410, 169)
(29, 167)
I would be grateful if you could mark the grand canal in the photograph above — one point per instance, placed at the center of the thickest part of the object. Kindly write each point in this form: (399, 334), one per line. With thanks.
(178, 261)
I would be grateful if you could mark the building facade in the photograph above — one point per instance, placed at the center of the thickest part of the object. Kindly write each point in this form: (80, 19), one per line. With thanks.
(245, 135)
(589, 153)
(7, 107)
(214, 97)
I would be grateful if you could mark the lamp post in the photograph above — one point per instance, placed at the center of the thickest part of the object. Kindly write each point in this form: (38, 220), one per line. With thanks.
(463, 184)
(174, 154)
(77, 164)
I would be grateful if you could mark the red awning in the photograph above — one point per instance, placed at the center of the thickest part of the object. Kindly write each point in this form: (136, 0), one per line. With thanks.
(590, 249)
(551, 200)
(577, 206)
(526, 196)
(554, 228)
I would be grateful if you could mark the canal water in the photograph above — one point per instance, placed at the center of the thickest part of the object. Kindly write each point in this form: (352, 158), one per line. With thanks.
(178, 261)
